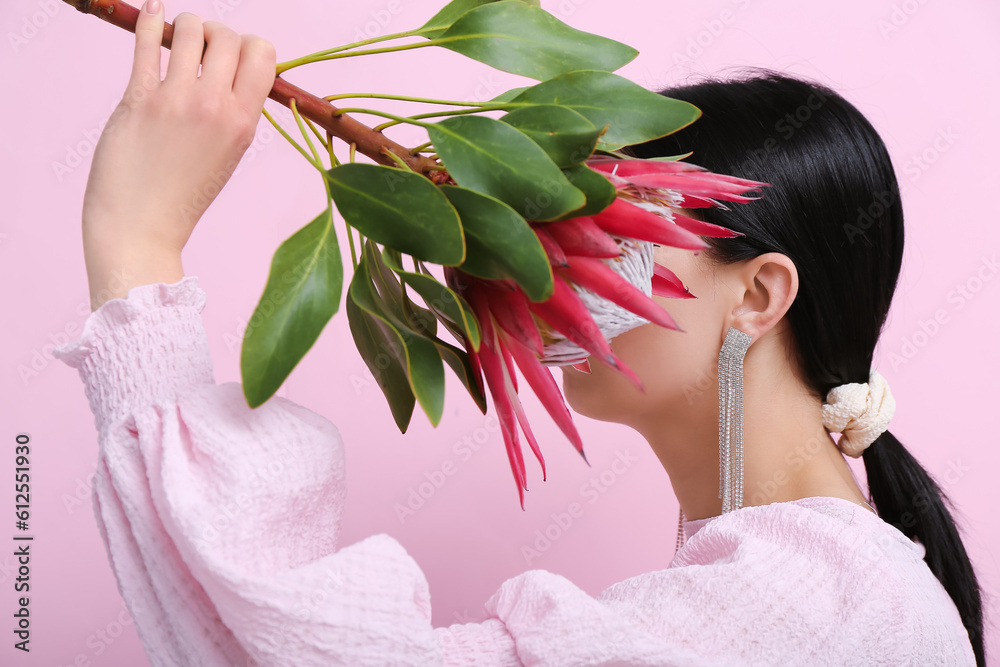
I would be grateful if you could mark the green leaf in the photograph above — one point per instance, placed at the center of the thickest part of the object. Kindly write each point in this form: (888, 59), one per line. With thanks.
(455, 357)
(417, 355)
(633, 113)
(566, 136)
(438, 297)
(490, 156)
(450, 13)
(302, 294)
(501, 243)
(400, 309)
(622, 156)
(398, 208)
(672, 158)
(449, 324)
(459, 362)
(599, 190)
(381, 348)
(517, 38)
(508, 95)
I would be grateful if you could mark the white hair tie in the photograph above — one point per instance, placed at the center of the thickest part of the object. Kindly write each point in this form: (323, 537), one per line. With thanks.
(860, 412)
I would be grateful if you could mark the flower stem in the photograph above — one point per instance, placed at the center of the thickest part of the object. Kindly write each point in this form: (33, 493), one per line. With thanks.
(345, 128)
(306, 155)
(385, 114)
(434, 114)
(334, 162)
(289, 64)
(405, 98)
(322, 140)
(399, 161)
(361, 237)
(315, 58)
(302, 129)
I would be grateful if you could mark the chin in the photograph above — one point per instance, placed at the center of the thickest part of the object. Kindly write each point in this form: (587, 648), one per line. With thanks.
(595, 395)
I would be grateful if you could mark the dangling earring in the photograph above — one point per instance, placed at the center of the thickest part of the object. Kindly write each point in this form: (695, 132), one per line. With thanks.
(731, 356)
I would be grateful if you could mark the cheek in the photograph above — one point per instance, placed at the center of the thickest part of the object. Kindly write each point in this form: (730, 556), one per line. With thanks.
(675, 369)
(678, 369)
(667, 362)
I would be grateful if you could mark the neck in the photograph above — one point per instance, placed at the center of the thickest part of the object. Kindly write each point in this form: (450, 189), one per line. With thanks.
(787, 452)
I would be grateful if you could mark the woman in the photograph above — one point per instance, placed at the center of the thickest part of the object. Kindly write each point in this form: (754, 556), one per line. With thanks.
(222, 522)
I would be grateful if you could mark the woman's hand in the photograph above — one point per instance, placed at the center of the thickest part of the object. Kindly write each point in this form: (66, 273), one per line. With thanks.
(169, 148)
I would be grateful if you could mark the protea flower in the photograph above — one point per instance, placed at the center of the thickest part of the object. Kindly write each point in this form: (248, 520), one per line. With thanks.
(587, 253)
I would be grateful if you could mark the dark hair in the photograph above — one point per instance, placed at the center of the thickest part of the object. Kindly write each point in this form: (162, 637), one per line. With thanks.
(834, 209)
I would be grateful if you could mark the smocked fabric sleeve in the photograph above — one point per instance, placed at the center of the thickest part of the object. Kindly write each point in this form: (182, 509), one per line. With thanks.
(221, 524)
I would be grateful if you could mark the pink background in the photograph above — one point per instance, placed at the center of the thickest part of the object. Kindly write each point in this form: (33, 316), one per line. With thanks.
(923, 72)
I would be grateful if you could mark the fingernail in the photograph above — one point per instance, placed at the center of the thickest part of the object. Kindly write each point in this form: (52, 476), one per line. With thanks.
(152, 6)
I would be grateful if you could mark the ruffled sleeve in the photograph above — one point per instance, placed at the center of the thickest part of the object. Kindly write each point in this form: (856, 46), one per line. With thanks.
(135, 350)
(221, 522)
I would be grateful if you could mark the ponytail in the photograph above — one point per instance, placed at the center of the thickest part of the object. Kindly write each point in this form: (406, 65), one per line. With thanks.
(907, 497)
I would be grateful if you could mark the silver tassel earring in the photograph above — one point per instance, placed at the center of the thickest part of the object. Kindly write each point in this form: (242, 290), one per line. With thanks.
(731, 355)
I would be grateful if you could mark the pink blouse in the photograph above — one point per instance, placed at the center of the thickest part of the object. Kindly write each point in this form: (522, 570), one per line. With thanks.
(222, 526)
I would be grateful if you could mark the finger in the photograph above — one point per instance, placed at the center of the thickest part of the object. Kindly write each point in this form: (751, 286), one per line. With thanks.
(256, 71)
(186, 48)
(146, 58)
(218, 67)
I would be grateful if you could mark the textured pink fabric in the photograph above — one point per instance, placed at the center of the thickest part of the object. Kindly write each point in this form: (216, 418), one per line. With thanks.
(221, 524)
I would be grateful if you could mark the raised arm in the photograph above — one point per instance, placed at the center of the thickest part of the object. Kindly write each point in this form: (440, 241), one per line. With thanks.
(222, 523)
(168, 148)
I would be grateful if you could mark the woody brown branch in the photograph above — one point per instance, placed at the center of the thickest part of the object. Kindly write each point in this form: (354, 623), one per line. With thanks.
(368, 141)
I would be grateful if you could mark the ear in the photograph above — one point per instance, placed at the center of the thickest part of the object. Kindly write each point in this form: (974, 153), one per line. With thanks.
(769, 283)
